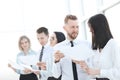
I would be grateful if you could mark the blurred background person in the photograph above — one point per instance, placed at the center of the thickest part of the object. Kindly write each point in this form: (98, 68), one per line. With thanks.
(45, 54)
(25, 57)
(56, 37)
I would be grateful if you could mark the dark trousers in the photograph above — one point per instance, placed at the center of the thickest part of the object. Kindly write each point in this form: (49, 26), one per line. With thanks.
(31, 76)
(52, 78)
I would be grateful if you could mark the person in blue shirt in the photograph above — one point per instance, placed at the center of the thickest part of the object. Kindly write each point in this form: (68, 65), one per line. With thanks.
(25, 59)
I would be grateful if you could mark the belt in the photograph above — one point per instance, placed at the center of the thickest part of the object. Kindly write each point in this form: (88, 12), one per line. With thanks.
(102, 79)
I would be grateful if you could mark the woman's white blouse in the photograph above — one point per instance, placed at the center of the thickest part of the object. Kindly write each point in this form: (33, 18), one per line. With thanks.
(28, 60)
(108, 61)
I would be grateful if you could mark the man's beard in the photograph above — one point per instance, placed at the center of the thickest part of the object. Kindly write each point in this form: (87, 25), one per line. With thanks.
(73, 35)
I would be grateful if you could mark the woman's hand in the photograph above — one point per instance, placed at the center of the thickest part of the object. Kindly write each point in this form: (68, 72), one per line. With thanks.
(10, 66)
(92, 71)
(37, 72)
(26, 70)
(83, 65)
(88, 70)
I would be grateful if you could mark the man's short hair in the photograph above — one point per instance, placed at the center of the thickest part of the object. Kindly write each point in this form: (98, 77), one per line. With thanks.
(71, 17)
(42, 30)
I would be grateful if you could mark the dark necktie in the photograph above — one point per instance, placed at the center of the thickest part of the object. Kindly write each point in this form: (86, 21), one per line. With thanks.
(71, 43)
(41, 54)
(74, 66)
(40, 58)
(74, 71)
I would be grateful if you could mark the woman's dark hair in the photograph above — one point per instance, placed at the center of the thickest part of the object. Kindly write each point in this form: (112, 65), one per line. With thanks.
(60, 36)
(101, 31)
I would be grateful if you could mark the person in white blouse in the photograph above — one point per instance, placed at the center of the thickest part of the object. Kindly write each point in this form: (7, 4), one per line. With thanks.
(45, 63)
(56, 38)
(105, 65)
(65, 52)
(26, 60)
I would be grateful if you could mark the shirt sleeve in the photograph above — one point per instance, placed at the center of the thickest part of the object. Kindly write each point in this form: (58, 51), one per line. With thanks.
(19, 71)
(56, 70)
(113, 72)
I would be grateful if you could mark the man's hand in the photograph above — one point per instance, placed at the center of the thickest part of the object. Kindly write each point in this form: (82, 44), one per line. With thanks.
(58, 55)
(42, 65)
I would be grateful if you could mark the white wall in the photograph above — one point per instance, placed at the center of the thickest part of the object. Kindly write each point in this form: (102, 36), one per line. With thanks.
(23, 17)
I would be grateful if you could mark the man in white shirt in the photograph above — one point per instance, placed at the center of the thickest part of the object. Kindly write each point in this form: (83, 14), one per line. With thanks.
(45, 54)
(71, 49)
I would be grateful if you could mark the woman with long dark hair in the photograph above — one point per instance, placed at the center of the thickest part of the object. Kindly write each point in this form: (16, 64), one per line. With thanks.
(106, 62)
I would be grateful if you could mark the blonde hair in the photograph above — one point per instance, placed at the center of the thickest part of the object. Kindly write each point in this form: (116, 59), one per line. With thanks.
(21, 38)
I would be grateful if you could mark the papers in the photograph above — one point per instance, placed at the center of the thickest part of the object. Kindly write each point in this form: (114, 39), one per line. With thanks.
(20, 66)
(26, 66)
(77, 52)
(15, 65)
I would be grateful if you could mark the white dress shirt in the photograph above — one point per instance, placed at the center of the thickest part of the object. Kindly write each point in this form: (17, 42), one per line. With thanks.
(108, 61)
(48, 58)
(64, 66)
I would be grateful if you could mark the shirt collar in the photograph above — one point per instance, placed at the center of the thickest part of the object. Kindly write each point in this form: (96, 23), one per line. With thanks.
(29, 52)
(75, 42)
(46, 46)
